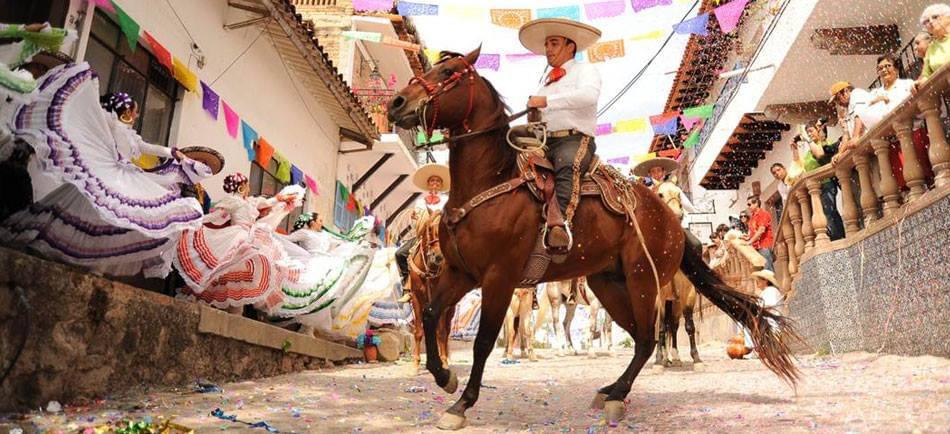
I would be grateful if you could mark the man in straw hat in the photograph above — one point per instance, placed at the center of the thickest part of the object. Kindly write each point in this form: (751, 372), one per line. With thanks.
(567, 99)
(770, 297)
(434, 179)
(656, 173)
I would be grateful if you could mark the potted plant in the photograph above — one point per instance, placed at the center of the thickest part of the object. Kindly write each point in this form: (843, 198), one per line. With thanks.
(368, 341)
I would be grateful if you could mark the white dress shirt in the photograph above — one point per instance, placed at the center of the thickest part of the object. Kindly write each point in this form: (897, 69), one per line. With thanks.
(572, 100)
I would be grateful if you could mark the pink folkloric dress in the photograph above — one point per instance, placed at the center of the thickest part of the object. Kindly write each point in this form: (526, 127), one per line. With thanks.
(241, 263)
(98, 210)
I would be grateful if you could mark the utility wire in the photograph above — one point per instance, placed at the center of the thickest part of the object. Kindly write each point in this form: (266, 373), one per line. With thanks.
(263, 28)
(193, 41)
(639, 74)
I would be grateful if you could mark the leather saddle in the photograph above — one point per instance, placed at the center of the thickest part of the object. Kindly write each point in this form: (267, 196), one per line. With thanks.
(601, 180)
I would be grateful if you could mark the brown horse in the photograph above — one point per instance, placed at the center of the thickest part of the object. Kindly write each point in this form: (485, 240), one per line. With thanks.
(677, 300)
(425, 261)
(489, 245)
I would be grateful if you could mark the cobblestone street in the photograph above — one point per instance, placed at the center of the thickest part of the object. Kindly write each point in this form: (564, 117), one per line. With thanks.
(856, 392)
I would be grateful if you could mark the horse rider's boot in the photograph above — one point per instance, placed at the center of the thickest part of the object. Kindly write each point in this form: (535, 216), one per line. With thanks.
(405, 297)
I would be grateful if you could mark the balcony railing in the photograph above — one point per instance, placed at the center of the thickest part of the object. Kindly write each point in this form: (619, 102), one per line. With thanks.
(803, 229)
(719, 107)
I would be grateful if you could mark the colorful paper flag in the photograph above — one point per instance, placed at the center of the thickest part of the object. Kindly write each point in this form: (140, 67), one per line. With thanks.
(639, 5)
(373, 5)
(209, 100)
(511, 18)
(311, 184)
(432, 55)
(467, 12)
(729, 14)
(363, 36)
(572, 12)
(643, 157)
(344, 193)
(695, 26)
(250, 136)
(665, 123)
(264, 152)
(184, 75)
(296, 175)
(702, 111)
(409, 9)
(630, 126)
(283, 168)
(521, 57)
(688, 121)
(105, 5)
(436, 136)
(230, 119)
(605, 9)
(656, 34)
(619, 160)
(602, 51)
(488, 61)
(604, 129)
(160, 52)
(129, 27)
(692, 140)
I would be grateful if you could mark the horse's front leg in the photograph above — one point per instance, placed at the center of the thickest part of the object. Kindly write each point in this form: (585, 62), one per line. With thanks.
(495, 302)
(450, 288)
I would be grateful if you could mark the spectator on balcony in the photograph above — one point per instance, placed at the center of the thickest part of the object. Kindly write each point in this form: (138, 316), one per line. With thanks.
(935, 20)
(785, 179)
(849, 101)
(819, 153)
(921, 44)
(760, 230)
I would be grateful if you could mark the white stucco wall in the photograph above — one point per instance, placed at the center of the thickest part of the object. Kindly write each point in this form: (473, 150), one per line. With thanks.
(256, 86)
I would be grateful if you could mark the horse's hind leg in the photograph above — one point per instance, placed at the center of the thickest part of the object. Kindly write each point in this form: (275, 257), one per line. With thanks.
(568, 318)
(495, 303)
(691, 330)
(673, 328)
(661, 341)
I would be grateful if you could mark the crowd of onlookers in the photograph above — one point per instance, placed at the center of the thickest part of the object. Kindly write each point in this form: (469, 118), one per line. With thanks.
(858, 110)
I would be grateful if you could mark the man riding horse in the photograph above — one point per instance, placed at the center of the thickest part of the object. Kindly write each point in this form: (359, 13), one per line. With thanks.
(568, 101)
(435, 179)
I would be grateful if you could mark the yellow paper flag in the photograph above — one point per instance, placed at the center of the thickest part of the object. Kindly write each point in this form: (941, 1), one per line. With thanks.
(630, 126)
(643, 157)
(432, 55)
(656, 34)
(602, 51)
(184, 76)
(511, 18)
(462, 11)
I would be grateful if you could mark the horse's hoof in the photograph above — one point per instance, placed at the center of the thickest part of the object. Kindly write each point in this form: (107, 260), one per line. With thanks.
(699, 366)
(451, 422)
(452, 385)
(676, 363)
(658, 367)
(598, 402)
(613, 411)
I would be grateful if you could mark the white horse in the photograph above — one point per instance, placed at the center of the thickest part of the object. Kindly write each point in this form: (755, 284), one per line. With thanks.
(556, 294)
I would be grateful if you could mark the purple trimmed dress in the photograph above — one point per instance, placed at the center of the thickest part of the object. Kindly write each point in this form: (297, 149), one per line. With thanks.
(103, 212)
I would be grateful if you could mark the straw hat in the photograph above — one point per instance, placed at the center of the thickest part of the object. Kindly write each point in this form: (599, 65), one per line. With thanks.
(767, 275)
(422, 175)
(534, 33)
(208, 156)
(837, 88)
(643, 169)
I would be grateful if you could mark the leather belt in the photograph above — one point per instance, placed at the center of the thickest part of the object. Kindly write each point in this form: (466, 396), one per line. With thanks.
(563, 133)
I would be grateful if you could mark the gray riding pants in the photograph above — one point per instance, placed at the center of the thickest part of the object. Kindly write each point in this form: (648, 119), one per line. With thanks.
(561, 152)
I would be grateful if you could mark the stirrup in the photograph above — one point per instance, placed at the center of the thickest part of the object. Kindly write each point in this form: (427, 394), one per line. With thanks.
(570, 238)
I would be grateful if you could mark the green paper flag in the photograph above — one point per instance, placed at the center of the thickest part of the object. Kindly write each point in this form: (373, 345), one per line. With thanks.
(129, 27)
(703, 111)
(692, 140)
(283, 168)
(344, 193)
(421, 137)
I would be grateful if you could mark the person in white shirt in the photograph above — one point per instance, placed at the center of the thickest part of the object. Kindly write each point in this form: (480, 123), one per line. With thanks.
(769, 297)
(890, 94)
(568, 102)
(433, 178)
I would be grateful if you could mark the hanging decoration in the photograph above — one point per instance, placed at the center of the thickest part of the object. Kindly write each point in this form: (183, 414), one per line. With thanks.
(250, 136)
(568, 12)
(230, 119)
(129, 27)
(602, 51)
(696, 26)
(510, 18)
(160, 52)
(729, 14)
(373, 5)
(264, 152)
(209, 100)
(641, 5)
(605, 9)
(187, 78)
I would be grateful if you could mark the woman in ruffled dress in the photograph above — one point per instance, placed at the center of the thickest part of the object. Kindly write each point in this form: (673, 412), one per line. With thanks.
(235, 259)
(101, 211)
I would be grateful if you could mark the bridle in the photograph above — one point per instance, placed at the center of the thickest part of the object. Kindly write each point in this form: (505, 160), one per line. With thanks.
(435, 90)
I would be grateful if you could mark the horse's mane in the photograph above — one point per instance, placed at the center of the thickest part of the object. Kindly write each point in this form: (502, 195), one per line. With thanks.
(509, 155)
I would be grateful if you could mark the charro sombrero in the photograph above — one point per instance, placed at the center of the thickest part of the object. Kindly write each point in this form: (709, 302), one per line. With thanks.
(422, 175)
(208, 156)
(668, 165)
(767, 275)
(533, 33)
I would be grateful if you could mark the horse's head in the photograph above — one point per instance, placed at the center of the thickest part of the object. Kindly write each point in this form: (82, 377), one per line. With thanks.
(670, 194)
(444, 97)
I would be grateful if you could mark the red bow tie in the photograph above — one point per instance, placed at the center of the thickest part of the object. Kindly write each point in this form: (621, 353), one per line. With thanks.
(556, 74)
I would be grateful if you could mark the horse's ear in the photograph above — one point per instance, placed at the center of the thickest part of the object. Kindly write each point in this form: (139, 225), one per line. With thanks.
(472, 57)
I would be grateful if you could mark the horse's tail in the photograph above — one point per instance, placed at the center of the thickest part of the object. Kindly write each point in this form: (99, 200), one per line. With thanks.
(771, 341)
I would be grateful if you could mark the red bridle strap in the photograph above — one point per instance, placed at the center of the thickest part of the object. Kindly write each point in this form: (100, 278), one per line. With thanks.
(435, 90)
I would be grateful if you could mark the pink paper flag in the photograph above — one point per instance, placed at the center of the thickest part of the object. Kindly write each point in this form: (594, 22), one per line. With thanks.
(688, 121)
(604, 129)
(105, 5)
(311, 184)
(231, 119)
(520, 57)
(373, 5)
(488, 61)
(728, 14)
(605, 9)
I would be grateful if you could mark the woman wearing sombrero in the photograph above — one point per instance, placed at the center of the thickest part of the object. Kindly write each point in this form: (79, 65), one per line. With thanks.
(657, 173)
(95, 208)
(434, 179)
(567, 99)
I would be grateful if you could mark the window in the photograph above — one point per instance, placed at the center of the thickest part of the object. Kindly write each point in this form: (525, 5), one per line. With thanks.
(139, 74)
(264, 182)
(343, 219)
(34, 11)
